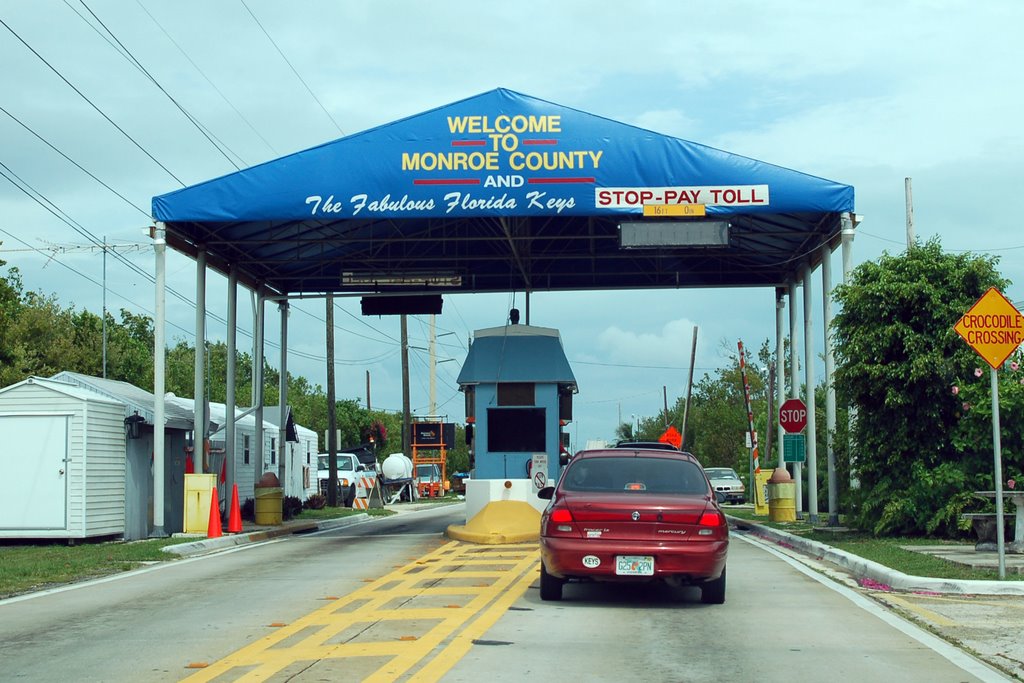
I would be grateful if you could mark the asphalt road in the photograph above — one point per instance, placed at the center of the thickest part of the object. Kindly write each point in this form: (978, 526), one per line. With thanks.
(393, 600)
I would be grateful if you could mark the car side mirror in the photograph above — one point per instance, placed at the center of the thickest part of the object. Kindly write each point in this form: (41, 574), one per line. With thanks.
(720, 496)
(546, 493)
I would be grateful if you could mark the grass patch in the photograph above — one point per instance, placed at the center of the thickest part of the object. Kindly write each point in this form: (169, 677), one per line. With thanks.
(340, 512)
(27, 567)
(888, 552)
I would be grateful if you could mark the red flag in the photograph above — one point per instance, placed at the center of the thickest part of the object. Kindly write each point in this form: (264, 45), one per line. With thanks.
(672, 436)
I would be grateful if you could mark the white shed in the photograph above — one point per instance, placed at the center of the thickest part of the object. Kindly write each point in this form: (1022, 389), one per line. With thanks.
(63, 462)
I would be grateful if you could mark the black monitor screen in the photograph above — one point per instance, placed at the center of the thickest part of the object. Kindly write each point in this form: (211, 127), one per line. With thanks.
(516, 430)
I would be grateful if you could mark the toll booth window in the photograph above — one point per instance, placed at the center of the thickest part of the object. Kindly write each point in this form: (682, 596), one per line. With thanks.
(516, 430)
(516, 394)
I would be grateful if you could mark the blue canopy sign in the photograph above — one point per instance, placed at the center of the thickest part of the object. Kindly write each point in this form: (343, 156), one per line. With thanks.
(501, 154)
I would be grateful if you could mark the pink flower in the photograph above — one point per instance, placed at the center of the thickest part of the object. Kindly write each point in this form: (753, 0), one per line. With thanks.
(1014, 365)
(977, 372)
(967, 406)
(956, 390)
(1011, 483)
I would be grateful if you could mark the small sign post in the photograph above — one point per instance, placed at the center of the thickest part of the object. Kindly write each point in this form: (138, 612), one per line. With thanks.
(994, 328)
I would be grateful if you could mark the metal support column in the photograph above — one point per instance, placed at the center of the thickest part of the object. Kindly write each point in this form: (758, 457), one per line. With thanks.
(849, 222)
(159, 378)
(830, 390)
(780, 363)
(812, 450)
(257, 383)
(283, 467)
(230, 388)
(794, 390)
(199, 419)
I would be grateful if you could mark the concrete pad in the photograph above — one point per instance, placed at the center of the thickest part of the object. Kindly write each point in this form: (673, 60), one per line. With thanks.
(500, 521)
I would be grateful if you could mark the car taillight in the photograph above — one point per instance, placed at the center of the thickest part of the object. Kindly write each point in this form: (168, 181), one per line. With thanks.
(561, 516)
(710, 518)
(560, 523)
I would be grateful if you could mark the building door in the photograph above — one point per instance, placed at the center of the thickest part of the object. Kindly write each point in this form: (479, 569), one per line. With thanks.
(34, 461)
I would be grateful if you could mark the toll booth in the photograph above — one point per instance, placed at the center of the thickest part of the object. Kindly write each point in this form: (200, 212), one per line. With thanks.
(519, 387)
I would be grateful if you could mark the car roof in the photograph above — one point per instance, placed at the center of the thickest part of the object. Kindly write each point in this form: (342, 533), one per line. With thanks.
(618, 452)
(647, 445)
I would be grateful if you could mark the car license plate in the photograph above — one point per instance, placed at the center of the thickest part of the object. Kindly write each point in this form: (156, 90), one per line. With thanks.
(634, 565)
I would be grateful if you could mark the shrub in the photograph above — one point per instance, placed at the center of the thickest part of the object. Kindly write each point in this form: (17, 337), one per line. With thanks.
(248, 510)
(290, 507)
(316, 502)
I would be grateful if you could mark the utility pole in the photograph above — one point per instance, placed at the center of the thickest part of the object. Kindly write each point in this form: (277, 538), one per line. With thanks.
(909, 194)
(689, 388)
(332, 418)
(406, 417)
(104, 307)
(433, 365)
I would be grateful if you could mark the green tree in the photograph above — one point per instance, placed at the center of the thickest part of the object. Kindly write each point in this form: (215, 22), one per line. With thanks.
(10, 310)
(897, 358)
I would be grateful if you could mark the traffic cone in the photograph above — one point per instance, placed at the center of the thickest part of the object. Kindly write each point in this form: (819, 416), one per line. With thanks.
(235, 517)
(213, 529)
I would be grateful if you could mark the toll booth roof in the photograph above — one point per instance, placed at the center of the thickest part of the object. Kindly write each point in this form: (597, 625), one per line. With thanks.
(516, 353)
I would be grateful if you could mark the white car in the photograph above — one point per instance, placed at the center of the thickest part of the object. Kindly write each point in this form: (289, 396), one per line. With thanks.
(726, 480)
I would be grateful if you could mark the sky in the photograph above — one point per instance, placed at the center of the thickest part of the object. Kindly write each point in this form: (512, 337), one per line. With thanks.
(107, 104)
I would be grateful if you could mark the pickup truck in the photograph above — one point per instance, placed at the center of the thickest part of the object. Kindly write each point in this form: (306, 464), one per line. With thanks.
(348, 467)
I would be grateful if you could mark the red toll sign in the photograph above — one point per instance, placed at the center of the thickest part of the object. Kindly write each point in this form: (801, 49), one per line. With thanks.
(793, 416)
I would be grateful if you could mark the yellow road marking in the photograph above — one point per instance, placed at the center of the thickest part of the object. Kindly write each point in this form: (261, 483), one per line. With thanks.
(923, 612)
(405, 617)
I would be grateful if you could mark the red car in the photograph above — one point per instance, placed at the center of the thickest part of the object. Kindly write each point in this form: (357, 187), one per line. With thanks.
(633, 515)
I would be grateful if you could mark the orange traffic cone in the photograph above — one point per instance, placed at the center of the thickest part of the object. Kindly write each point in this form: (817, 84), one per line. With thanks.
(235, 517)
(213, 529)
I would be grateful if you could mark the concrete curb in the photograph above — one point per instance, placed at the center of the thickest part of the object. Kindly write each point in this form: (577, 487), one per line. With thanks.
(866, 569)
(208, 545)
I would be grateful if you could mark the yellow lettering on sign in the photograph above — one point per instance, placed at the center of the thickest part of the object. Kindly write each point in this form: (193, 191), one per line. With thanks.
(503, 123)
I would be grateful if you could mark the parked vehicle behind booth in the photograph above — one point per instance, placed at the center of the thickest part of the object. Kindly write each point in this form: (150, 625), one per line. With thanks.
(348, 466)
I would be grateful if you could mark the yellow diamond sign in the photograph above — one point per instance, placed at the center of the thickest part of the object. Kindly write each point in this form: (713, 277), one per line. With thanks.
(993, 327)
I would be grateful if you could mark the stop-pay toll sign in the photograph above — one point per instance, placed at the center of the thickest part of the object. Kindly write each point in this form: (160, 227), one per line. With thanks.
(793, 416)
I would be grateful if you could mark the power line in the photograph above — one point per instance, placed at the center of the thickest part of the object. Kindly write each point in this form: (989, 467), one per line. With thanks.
(207, 79)
(127, 54)
(308, 89)
(72, 161)
(90, 102)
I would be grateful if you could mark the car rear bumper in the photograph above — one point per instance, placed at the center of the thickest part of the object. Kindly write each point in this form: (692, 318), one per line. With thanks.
(694, 561)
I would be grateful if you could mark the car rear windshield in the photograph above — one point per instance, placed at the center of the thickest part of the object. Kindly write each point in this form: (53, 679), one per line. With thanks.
(635, 475)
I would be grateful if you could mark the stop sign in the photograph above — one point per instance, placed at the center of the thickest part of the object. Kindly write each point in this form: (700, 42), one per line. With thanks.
(793, 416)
